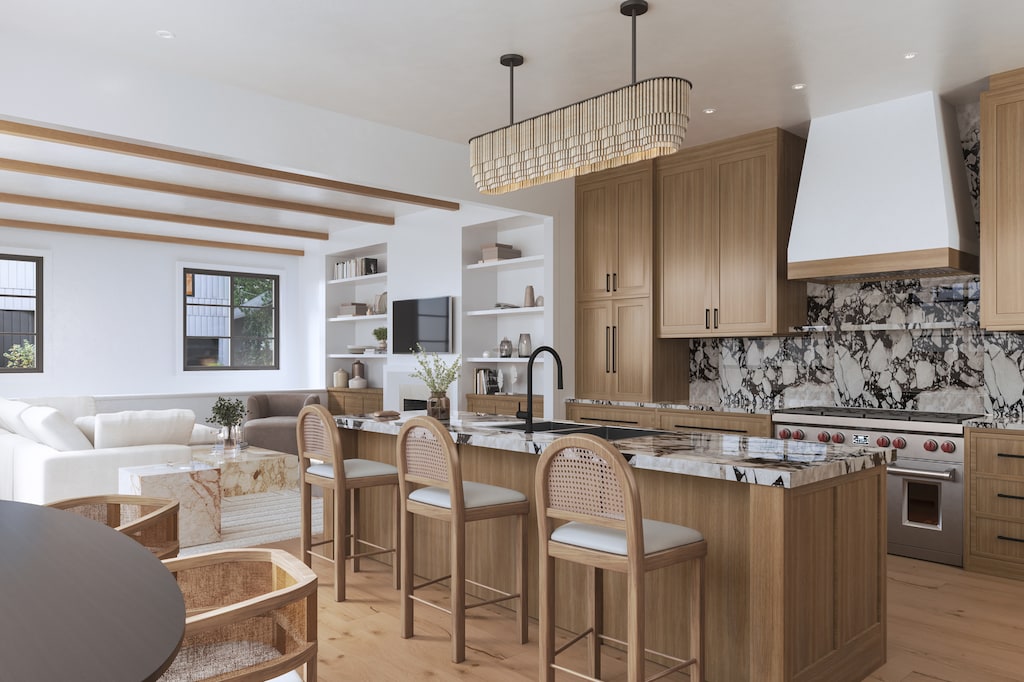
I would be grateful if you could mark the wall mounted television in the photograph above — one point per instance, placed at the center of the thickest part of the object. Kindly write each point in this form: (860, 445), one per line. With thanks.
(423, 321)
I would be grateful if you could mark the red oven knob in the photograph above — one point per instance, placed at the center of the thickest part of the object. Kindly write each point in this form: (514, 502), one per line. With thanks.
(798, 434)
(930, 445)
(949, 446)
(899, 443)
(824, 436)
(785, 433)
(838, 438)
(883, 441)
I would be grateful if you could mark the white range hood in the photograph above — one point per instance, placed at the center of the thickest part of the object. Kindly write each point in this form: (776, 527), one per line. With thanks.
(883, 195)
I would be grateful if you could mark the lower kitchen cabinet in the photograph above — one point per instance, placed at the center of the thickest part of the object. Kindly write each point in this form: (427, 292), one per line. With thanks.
(994, 491)
(759, 425)
(610, 414)
(503, 404)
(355, 400)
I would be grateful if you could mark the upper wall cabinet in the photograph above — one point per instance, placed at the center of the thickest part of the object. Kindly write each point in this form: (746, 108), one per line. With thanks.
(722, 218)
(1002, 202)
(613, 254)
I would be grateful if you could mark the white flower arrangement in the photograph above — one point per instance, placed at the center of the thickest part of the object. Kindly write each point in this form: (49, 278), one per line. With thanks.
(435, 372)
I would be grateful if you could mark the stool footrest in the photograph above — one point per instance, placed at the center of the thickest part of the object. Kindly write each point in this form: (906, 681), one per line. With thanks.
(573, 641)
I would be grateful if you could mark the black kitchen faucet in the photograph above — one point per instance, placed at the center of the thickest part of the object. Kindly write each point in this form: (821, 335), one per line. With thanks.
(527, 414)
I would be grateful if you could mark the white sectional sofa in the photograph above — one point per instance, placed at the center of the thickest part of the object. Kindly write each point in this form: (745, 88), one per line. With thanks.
(55, 448)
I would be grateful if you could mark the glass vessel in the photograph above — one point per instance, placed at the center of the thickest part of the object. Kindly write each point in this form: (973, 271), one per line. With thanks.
(439, 406)
(525, 345)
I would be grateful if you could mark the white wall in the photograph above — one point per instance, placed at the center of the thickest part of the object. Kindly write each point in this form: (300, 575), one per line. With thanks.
(107, 331)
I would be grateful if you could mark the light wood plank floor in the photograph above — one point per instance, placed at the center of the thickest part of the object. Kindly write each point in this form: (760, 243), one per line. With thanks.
(945, 625)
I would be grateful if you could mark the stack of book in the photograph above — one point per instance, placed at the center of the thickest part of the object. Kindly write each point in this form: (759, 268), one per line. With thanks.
(355, 267)
(352, 309)
(486, 381)
(493, 252)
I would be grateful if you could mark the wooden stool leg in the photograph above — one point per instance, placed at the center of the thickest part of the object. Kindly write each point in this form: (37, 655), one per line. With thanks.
(396, 559)
(547, 615)
(458, 589)
(635, 626)
(353, 520)
(406, 525)
(697, 620)
(596, 618)
(523, 606)
(339, 544)
(306, 537)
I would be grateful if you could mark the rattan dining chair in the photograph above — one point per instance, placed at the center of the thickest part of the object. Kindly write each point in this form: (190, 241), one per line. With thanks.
(430, 476)
(584, 483)
(150, 521)
(250, 615)
(321, 463)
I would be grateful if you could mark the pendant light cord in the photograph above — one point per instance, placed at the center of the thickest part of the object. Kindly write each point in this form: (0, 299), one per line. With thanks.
(633, 15)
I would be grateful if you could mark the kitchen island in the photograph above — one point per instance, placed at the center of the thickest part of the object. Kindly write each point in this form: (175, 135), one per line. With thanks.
(795, 531)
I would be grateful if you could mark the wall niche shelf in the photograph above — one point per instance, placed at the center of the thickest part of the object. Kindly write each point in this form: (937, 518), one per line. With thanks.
(506, 311)
(349, 331)
(356, 318)
(361, 279)
(537, 361)
(357, 356)
(510, 263)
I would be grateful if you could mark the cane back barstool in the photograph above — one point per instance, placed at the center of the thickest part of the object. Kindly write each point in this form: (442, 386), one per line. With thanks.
(585, 481)
(430, 480)
(150, 521)
(321, 463)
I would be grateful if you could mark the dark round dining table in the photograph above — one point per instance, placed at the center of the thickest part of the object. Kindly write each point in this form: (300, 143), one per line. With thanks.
(81, 601)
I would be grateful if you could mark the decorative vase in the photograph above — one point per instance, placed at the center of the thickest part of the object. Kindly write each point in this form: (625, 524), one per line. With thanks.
(229, 440)
(525, 345)
(528, 300)
(438, 406)
(505, 348)
(340, 378)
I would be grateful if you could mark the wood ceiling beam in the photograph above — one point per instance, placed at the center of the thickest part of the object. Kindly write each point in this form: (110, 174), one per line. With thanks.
(103, 209)
(29, 167)
(116, 234)
(198, 160)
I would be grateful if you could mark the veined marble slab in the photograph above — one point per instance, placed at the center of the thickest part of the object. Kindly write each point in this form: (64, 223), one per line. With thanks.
(694, 406)
(758, 461)
(196, 487)
(255, 470)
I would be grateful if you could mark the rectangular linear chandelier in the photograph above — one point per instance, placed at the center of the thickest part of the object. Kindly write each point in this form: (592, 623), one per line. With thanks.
(636, 122)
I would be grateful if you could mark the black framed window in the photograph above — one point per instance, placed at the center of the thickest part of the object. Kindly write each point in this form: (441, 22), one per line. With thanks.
(21, 313)
(231, 320)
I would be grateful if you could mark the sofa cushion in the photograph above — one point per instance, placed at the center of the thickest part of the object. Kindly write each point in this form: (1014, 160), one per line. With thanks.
(87, 425)
(49, 426)
(10, 417)
(203, 434)
(72, 407)
(143, 427)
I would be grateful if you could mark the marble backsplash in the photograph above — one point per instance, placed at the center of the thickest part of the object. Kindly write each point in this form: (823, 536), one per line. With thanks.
(907, 344)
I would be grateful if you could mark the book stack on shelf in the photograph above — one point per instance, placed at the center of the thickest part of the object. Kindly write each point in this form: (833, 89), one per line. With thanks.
(486, 381)
(355, 267)
(352, 309)
(493, 252)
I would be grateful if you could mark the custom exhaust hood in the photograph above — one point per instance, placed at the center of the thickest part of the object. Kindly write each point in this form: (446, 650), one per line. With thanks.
(884, 195)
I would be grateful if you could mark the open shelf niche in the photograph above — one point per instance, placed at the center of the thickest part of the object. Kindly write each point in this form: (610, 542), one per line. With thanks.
(344, 330)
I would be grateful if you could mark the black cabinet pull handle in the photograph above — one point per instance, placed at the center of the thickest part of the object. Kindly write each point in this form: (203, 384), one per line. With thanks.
(615, 349)
(707, 318)
(716, 318)
(603, 420)
(1004, 454)
(1007, 537)
(1010, 497)
(607, 349)
(615, 281)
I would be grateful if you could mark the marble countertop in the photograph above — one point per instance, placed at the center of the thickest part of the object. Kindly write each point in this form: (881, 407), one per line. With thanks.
(697, 407)
(758, 461)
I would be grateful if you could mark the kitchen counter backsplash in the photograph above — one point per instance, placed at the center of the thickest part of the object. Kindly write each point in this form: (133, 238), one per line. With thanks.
(902, 344)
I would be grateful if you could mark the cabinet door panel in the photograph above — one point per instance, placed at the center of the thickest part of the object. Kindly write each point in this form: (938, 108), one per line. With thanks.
(688, 251)
(631, 343)
(631, 275)
(746, 245)
(595, 240)
(593, 351)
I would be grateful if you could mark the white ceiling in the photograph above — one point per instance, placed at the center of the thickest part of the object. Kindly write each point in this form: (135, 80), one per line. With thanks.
(431, 66)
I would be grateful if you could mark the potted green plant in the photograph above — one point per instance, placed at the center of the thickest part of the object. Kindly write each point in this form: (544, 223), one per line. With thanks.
(438, 375)
(381, 334)
(228, 414)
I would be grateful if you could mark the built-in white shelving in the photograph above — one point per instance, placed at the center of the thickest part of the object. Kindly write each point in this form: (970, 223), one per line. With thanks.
(344, 331)
(535, 310)
(508, 263)
(356, 318)
(357, 356)
(521, 361)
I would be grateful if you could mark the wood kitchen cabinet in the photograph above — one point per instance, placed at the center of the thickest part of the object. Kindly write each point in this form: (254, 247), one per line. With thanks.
(1002, 202)
(759, 425)
(484, 403)
(613, 415)
(994, 492)
(355, 400)
(722, 220)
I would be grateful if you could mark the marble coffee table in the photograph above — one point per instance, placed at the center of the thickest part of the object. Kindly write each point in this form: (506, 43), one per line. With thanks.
(255, 470)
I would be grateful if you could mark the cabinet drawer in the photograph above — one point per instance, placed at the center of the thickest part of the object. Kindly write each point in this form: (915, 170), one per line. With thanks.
(620, 416)
(741, 424)
(998, 497)
(1000, 539)
(503, 405)
(1002, 455)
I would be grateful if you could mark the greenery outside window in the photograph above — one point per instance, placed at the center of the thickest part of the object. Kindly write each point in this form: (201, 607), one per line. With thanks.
(21, 317)
(231, 320)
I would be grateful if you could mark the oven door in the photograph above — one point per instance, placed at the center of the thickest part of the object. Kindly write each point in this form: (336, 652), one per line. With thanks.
(925, 510)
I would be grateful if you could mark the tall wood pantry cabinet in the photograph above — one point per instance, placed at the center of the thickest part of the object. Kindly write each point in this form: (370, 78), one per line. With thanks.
(1002, 202)
(722, 222)
(618, 356)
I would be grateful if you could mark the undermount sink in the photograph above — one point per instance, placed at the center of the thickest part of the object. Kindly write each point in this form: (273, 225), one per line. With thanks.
(606, 432)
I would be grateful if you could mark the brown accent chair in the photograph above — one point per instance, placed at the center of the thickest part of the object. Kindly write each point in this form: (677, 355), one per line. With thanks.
(150, 521)
(270, 421)
(589, 513)
(250, 614)
(430, 477)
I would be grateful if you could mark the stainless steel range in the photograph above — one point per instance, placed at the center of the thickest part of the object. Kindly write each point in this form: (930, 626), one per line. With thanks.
(925, 489)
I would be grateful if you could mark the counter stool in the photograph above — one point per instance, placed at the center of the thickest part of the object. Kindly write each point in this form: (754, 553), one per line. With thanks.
(586, 481)
(321, 463)
(428, 457)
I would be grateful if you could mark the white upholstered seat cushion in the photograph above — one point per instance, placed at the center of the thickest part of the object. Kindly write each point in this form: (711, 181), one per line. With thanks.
(658, 536)
(50, 427)
(354, 468)
(143, 427)
(474, 494)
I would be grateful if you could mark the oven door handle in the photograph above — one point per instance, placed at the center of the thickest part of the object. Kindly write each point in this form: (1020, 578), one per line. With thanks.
(947, 475)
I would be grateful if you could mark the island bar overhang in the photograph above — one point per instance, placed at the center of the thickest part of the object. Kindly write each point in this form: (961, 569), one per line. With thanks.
(795, 575)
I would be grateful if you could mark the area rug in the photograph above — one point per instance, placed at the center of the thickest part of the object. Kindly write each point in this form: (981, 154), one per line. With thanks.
(261, 518)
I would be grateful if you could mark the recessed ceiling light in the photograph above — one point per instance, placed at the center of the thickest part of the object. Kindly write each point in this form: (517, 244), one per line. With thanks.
(710, 110)
(164, 34)
(799, 86)
(909, 55)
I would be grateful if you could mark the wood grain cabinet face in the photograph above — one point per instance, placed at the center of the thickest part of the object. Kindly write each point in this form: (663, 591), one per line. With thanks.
(1002, 202)
(613, 340)
(994, 541)
(355, 400)
(506, 405)
(759, 425)
(723, 214)
(612, 415)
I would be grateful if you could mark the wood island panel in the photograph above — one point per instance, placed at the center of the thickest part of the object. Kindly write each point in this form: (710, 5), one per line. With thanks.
(795, 577)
